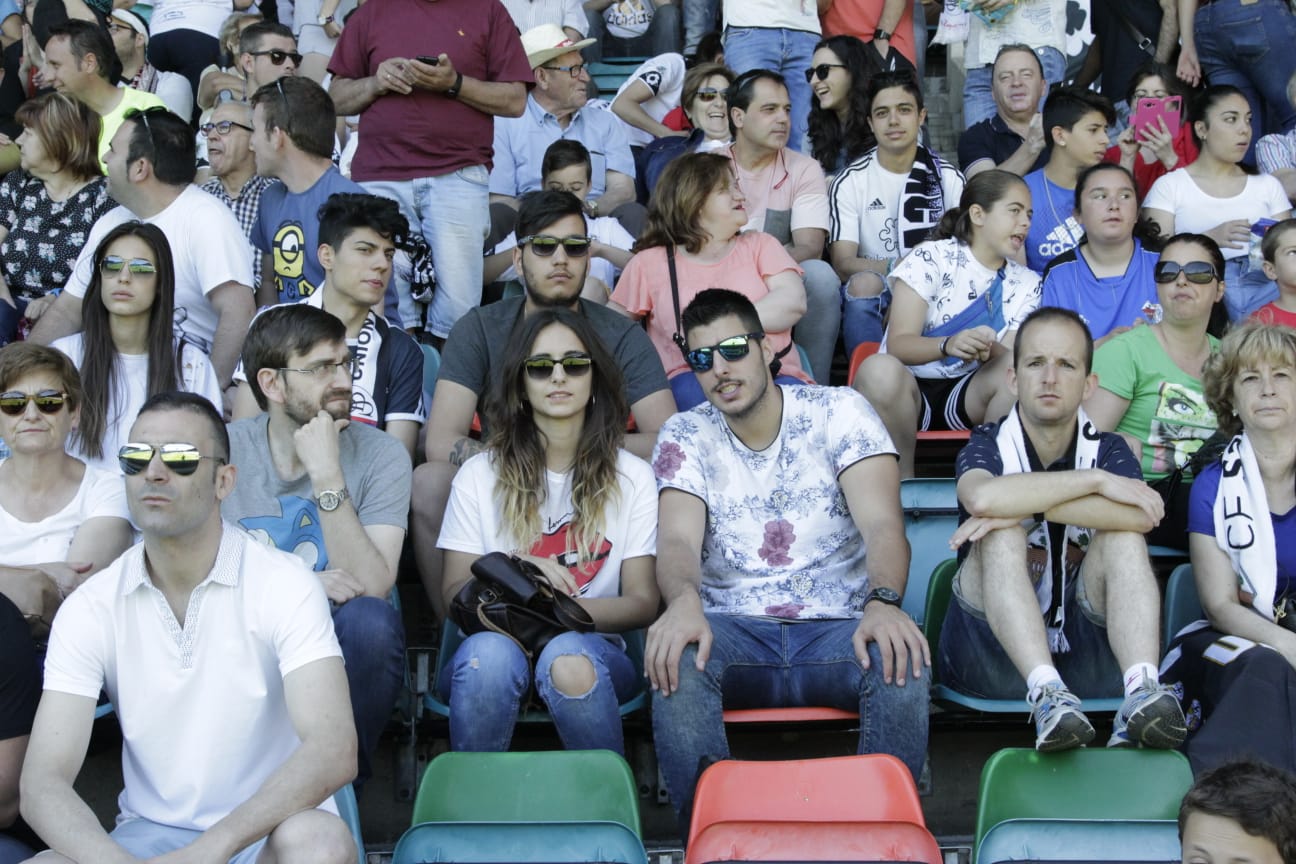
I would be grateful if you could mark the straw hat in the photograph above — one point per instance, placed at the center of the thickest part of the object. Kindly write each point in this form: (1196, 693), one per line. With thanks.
(548, 41)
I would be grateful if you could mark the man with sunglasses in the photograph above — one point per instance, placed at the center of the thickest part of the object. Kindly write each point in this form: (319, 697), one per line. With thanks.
(334, 491)
(232, 167)
(552, 255)
(222, 666)
(267, 52)
(781, 557)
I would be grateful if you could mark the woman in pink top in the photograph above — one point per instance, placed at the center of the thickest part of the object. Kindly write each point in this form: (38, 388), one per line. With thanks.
(694, 220)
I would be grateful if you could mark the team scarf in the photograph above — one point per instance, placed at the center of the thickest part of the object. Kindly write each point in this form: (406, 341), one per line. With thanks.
(1243, 529)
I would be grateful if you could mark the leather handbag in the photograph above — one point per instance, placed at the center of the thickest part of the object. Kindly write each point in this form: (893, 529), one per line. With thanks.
(510, 596)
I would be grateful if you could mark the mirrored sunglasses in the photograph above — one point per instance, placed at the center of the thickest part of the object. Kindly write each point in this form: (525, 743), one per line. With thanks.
(733, 348)
(14, 403)
(138, 266)
(1197, 272)
(180, 457)
(710, 94)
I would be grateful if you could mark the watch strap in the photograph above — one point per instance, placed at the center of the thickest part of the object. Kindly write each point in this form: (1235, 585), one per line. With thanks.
(452, 92)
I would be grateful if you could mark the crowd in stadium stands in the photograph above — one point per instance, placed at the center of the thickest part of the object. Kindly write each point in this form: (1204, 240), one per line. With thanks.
(235, 236)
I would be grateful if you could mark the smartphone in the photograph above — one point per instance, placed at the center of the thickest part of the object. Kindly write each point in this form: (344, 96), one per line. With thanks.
(1151, 109)
(431, 61)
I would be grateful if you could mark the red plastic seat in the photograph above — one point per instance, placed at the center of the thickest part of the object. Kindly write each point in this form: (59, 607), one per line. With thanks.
(787, 715)
(862, 352)
(813, 841)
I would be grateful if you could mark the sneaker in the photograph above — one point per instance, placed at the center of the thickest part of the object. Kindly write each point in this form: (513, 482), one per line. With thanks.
(1059, 722)
(1152, 717)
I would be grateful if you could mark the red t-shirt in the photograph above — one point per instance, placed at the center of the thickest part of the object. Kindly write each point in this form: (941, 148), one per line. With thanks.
(1145, 174)
(860, 18)
(1272, 314)
(427, 134)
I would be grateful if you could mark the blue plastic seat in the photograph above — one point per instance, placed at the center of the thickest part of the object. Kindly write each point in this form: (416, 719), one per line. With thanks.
(521, 842)
(1081, 840)
(349, 810)
(609, 74)
(930, 519)
(431, 368)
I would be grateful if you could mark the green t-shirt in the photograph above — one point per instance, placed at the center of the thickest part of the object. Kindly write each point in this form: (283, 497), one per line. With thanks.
(1167, 409)
(132, 99)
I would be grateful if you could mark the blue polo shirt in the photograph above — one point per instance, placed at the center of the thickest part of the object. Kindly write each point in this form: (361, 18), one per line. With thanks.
(520, 144)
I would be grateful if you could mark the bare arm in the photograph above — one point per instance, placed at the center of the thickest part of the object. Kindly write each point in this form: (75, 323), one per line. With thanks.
(449, 424)
(62, 318)
(650, 413)
(681, 525)
(266, 293)
(1023, 159)
(1189, 69)
(213, 83)
(1168, 37)
(807, 244)
(628, 105)
(1092, 498)
(785, 303)
(244, 402)
(1287, 177)
(99, 541)
(1217, 586)
(12, 751)
(234, 309)
(619, 190)
(1106, 410)
(619, 257)
(846, 260)
(406, 432)
(889, 20)
(636, 606)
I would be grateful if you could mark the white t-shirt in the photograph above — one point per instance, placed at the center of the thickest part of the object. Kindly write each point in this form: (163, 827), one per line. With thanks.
(101, 493)
(208, 248)
(201, 706)
(472, 521)
(865, 203)
(205, 16)
(1037, 23)
(948, 277)
(772, 14)
(605, 229)
(780, 540)
(196, 376)
(664, 75)
(1195, 211)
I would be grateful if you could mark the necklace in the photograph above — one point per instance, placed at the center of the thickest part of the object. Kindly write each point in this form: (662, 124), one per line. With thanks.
(1065, 223)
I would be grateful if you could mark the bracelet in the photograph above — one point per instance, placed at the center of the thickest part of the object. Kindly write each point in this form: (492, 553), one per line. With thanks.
(452, 92)
(944, 342)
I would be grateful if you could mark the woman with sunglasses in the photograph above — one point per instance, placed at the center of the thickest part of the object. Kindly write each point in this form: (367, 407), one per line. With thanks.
(47, 207)
(555, 488)
(1150, 378)
(839, 106)
(128, 349)
(705, 104)
(1214, 196)
(693, 241)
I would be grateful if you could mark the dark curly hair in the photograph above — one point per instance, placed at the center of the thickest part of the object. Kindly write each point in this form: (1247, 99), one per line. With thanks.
(833, 144)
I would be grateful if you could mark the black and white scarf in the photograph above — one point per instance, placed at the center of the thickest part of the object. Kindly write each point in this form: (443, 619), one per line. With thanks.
(1243, 528)
(923, 202)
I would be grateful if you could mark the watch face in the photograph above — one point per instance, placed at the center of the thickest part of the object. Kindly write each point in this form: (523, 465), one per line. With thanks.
(329, 500)
(886, 595)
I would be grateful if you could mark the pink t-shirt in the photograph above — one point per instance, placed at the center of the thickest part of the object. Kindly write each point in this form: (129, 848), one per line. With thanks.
(1270, 313)
(787, 194)
(645, 290)
(427, 134)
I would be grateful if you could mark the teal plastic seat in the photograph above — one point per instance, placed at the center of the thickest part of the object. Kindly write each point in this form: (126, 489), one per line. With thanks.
(431, 368)
(930, 519)
(1151, 840)
(349, 810)
(521, 842)
(1182, 604)
(609, 74)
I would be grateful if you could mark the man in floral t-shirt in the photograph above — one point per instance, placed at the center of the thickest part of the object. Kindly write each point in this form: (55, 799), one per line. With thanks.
(781, 557)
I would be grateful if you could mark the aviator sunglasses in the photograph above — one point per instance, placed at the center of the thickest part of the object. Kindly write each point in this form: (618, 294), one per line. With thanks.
(14, 403)
(137, 266)
(182, 458)
(573, 365)
(733, 348)
(544, 245)
(1197, 272)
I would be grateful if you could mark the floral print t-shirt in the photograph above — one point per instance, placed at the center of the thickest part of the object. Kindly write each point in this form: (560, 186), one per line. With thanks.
(45, 236)
(780, 540)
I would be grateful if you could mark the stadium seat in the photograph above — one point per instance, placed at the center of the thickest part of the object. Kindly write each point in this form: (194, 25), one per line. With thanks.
(1182, 605)
(1150, 840)
(862, 352)
(609, 74)
(814, 841)
(804, 714)
(930, 518)
(519, 842)
(431, 367)
(1087, 783)
(349, 810)
(549, 786)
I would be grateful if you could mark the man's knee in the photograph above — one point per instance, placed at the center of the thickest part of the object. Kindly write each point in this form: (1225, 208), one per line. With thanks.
(313, 835)
(370, 622)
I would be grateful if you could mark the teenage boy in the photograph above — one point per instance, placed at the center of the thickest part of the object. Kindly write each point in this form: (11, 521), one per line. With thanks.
(1279, 249)
(1075, 125)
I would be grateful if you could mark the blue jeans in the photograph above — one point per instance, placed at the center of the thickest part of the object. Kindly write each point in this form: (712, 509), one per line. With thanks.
(700, 17)
(862, 318)
(372, 637)
(661, 37)
(489, 676)
(759, 662)
(816, 332)
(787, 52)
(453, 213)
(11, 851)
(978, 99)
(1246, 288)
(1250, 47)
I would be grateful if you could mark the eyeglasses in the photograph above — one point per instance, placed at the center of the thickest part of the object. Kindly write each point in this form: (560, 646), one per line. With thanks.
(138, 266)
(821, 71)
(223, 127)
(710, 94)
(324, 370)
(277, 57)
(573, 365)
(575, 70)
(182, 458)
(733, 348)
(1196, 272)
(544, 245)
(14, 403)
(114, 27)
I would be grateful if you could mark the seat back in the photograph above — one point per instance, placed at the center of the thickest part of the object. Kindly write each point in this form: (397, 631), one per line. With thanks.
(813, 841)
(349, 811)
(1182, 605)
(1093, 784)
(520, 842)
(1081, 840)
(431, 368)
(609, 74)
(549, 786)
(930, 519)
(940, 590)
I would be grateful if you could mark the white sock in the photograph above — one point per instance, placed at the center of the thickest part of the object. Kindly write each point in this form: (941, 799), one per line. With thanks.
(1135, 674)
(1036, 680)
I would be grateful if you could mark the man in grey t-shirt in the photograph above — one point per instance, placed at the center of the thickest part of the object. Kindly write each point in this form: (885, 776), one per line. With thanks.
(332, 491)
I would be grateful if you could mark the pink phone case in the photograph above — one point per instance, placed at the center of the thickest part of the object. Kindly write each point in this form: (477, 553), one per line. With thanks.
(1149, 109)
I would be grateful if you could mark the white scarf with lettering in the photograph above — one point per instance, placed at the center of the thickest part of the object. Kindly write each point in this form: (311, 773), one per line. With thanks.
(1243, 528)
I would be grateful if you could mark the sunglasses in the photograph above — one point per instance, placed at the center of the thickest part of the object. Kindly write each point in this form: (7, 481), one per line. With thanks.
(277, 57)
(573, 365)
(1196, 272)
(222, 128)
(710, 94)
(14, 403)
(733, 348)
(544, 245)
(181, 458)
(137, 266)
(821, 71)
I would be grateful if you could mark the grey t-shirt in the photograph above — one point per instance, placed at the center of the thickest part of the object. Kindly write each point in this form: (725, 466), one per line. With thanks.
(285, 515)
(476, 346)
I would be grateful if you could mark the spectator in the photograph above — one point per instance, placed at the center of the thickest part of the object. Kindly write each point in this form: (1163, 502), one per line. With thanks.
(759, 629)
(700, 19)
(632, 28)
(888, 25)
(151, 173)
(223, 79)
(786, 197)
(956, 302)
(266, 52)
(1153, 151)
(1011, 139)
(47, 207)
(317, 24)
(130, 37)
(1069, 549)
(73, 67)
(264, 654)
(358, 235)
(129, 350)
(292, 136)
(1107, 279)
(705, 103)
(650, 93)
(19, 693)
(1279, 250)
(552, 262)
(1215, 197)
(695, 229)
(184, 35)
(1276, 152)
(1129, 35)
(1234, 669)
(234, 180)
(333, 492)
(1241, 810)
(780, 36)
(567, 14)
(886, 203)
(426, 131)
(1149, 379)
(1075, 123)
(1039, 26)
(555, 488)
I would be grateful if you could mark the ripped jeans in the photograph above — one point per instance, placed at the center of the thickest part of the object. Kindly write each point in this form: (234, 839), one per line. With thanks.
(489, 675)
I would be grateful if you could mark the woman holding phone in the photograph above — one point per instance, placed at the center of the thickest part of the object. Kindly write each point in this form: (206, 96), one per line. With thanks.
(1157, 140)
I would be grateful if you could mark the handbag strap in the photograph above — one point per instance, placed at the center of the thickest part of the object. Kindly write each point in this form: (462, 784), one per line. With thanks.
(678, 338)
(1142, 42)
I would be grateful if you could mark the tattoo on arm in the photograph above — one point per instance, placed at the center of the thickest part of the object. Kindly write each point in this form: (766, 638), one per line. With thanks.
(463, 450)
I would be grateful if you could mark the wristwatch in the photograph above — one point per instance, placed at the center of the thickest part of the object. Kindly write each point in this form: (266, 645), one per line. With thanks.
(325, 20)
(331, 499)
(882, 595)
(452, 92)
(882, 36)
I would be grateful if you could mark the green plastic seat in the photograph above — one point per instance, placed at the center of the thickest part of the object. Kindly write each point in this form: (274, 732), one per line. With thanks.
(530, 842)
(1182, 605)
(1086, 783)
(547, 786)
